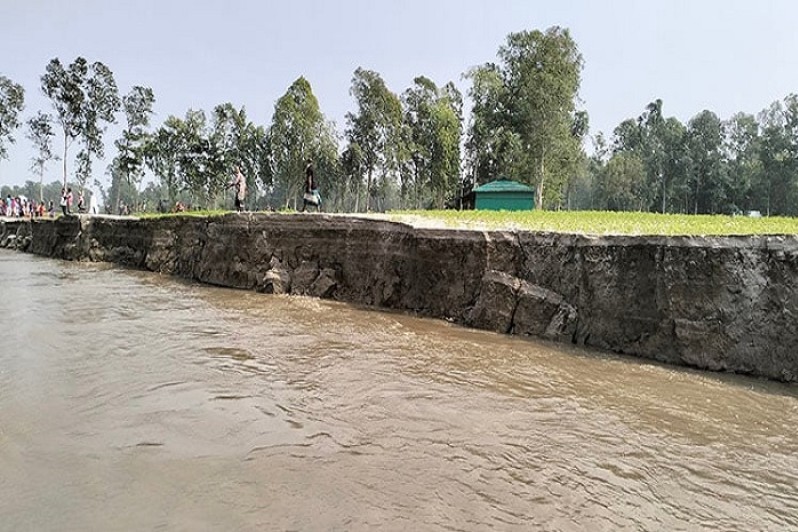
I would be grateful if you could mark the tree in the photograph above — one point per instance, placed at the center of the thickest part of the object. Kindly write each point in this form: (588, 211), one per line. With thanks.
(743, 145)
(707, 170)
(586, 197)
(195, 155)
(524, 123)
(239, 143)
(12, 101)
(542, 74)
(676, 161)
(493, 149)
(434, 119)
(254, 159)
(255, 163)
(659, 143)
(40, 133)
(376, 128)
(162, 154)
(652, 126)
(620, 183)
(353, 172)
(64, 88)
(298, 132)
(85, 98)
(779, 157)
(132, 146)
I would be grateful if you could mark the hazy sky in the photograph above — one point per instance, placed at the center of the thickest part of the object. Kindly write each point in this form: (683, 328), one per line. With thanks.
(727, 56)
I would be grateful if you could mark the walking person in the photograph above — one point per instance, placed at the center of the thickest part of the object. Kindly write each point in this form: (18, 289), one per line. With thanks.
(69, 200)
(240, 185)
(311, 195)
(63, 202)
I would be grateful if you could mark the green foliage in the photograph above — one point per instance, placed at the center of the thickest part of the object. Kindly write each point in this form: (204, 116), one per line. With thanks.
(524, 121)
(433, 120)
(492, 148)
(707, 175)
(708, 166)
(40, 133)
(298, 132)
(12, 101)
(406, 152)
(240, 143)
(376, 128)
(162, 155)
(133, 145)
(85, 99)
(196, 156)
(621, 182)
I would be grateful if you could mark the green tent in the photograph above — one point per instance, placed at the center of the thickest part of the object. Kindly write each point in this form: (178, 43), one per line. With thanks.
(504, 195)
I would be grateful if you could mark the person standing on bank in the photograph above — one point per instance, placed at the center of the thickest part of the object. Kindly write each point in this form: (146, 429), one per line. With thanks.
(240, 185)
(69, 200)
(311, 196)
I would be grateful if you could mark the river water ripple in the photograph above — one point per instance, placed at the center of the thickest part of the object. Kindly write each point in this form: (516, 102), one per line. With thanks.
(132, 401)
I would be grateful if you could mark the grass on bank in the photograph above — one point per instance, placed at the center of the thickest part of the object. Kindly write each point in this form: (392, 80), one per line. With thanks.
(607, 223)
(579, 222)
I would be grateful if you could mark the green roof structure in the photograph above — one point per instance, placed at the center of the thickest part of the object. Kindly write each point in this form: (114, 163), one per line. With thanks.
(504, 185)
(504, 195)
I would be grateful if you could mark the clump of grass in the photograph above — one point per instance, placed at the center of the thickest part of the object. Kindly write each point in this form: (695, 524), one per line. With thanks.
(609, 223)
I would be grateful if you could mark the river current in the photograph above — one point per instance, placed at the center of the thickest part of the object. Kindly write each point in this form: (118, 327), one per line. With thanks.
(133, 401)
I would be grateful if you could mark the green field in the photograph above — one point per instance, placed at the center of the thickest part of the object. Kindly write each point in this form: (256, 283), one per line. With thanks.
(581, 222)
(606, 223)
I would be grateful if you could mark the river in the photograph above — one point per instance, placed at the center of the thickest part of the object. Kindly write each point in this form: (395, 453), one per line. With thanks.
(133, 401)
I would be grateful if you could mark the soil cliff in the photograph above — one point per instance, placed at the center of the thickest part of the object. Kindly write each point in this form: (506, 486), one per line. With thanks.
(717, 303)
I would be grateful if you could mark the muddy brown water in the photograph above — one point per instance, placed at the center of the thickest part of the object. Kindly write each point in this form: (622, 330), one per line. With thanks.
(132, 401)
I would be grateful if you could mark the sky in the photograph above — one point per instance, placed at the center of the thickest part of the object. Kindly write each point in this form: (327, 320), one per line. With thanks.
(727, 56)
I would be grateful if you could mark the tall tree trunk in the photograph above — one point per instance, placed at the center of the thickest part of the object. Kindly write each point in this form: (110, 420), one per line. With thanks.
(416, 187)
(368, 189)
(118, 193)
(66, 146)
(539, 198)
(767, 207)
(695, 206)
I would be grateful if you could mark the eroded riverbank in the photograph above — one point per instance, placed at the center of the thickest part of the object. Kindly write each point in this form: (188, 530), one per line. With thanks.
(719, 303)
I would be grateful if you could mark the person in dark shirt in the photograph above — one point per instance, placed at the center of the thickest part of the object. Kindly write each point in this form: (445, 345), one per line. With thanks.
(311, 196)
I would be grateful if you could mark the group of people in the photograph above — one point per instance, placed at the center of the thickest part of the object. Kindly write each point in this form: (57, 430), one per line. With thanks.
(310, 198)
(22, 207)
(67, 199)
(18, 207)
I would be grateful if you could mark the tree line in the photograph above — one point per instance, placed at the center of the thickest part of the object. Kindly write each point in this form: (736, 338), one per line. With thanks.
(414, 149)
(708, 166)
